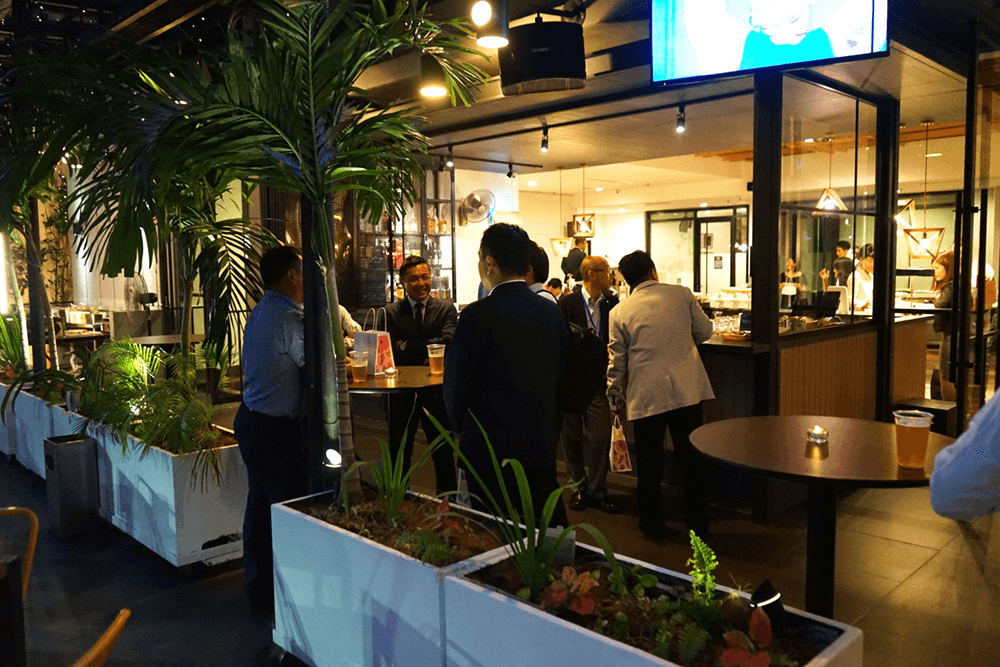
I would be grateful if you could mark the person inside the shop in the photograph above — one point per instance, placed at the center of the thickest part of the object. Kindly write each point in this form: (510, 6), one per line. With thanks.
(586, 438)
(943, 267)
(413, 323)
(861, 283)
(571, 262)
(538, 272)
(792, 277)
(555, 287)
(657, 380)
(843, 266)
(267, 423)
(503, 369)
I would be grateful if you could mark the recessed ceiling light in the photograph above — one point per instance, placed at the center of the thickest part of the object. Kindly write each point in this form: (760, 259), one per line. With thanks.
(532, 183)
(621, 210)
(810, 140)
(599, 189)
(934, 155)
(704, 204)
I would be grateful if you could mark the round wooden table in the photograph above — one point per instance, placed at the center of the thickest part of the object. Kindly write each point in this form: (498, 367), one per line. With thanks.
(406, 379)
(859, 453)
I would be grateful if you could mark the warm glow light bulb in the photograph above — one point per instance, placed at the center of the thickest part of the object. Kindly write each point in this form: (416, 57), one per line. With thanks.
(433, 90)
(492, 42)
(481, 12)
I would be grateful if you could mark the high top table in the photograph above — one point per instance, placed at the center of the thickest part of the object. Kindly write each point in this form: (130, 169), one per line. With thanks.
(407, 379)
(859, 453)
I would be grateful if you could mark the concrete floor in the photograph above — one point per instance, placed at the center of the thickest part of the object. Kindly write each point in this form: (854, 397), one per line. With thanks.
(925, 590)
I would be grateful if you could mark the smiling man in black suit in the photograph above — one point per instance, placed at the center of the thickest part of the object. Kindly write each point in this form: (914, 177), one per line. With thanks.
(413, 323)
(503, 368)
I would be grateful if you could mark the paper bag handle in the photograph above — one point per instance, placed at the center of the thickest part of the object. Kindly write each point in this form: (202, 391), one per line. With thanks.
(372, 311)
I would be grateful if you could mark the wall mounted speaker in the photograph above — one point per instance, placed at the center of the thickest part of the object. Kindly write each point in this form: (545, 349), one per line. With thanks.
(543, 57)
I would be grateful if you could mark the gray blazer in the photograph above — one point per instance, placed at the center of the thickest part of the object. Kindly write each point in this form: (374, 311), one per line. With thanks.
(654, 365)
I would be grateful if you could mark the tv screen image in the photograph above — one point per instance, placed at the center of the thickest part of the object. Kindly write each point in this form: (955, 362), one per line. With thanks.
(703, 38)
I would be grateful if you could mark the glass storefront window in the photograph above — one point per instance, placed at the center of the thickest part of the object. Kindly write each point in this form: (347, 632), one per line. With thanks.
(826, 229)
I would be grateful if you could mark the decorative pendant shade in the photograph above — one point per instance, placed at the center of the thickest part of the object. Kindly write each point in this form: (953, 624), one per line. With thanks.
(830, 201)
(924, 243)
(562, 246)
(910, 206)
(432, 81)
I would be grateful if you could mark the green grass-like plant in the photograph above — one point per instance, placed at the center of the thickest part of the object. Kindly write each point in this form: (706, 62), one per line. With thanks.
(703, 561)
(531, 552)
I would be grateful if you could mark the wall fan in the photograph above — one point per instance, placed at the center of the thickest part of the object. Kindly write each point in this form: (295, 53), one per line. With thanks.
(138, 296)
(478, 206)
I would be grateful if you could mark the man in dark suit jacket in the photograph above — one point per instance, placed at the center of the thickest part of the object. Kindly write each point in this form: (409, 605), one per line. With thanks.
(571, 262)
(413, 323)
(586, 438)
(503, 368)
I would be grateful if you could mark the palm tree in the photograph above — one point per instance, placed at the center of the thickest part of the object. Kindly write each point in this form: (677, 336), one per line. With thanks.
(280, 107)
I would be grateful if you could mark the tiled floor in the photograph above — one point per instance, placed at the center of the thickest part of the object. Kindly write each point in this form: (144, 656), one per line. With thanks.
(925, 590)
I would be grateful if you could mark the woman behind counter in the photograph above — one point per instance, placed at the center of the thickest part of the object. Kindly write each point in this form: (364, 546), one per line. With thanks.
(943, 269)
(792, 276)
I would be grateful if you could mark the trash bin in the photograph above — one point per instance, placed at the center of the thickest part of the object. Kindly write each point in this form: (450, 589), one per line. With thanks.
(71, 478)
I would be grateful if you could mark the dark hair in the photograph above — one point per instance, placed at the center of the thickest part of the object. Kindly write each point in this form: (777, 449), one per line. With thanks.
(580, 240)
(554, 283)
(868, 251)
(539, 262)
(843, 245)
(276, 262)
(636, 267)
(947, 260)
(410, 262)
(509, 246)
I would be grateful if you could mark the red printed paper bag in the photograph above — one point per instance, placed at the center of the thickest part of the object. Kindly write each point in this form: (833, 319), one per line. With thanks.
(620, 461)
(378, 345)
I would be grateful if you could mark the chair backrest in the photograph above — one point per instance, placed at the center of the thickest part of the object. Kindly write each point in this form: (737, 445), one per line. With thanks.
(29, 554)
(842, 305)
(99, 652)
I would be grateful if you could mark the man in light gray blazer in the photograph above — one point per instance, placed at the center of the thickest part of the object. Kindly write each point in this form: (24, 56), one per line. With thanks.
(656, 379)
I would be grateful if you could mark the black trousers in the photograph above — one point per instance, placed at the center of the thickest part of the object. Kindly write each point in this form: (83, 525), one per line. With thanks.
(405, 412)
(273, 451)
(541, 482)
(649, 433)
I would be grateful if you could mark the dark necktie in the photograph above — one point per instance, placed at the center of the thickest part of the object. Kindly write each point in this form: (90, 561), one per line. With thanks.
(418, 314)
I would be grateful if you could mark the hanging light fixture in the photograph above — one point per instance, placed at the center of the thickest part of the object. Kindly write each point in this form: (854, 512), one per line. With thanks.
(681, 120)
(545, 139)
(925, 242)
(561, 245)
(510, 170)
(451, 159)
(829, 200)
(490, 19)
(583, 223)
(432, 80)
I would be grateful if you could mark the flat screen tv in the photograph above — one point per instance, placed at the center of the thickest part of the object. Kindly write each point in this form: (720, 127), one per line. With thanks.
(706, 38)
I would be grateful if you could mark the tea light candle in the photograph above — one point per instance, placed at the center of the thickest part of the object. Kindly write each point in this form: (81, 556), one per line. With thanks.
(817, 434)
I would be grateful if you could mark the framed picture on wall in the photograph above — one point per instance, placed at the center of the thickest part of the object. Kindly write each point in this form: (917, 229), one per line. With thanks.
(583, 224)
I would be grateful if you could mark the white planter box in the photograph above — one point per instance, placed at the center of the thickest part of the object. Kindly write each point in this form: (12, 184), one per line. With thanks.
(342, 600)
(155, 500)
(8, 432)
(486, 628)
(32, 421)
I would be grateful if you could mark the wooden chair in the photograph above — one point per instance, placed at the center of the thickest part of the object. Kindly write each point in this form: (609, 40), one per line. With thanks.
(32, 542)
(99, 652)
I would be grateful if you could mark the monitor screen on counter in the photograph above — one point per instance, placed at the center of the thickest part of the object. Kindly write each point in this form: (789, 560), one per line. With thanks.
(704, 38)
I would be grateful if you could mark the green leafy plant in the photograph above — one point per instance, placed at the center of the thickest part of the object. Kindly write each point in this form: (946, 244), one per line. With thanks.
(702, 562)
(621, 581)
(12, 361)
(428, 546)
(531, 550)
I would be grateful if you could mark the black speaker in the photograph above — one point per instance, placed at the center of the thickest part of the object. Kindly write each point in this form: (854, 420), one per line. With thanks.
(543, 57)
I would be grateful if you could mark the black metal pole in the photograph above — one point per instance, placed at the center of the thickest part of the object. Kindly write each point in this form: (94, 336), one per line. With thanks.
(953, 351)
(821, 548)
(36, 288)
(313, 369)
(886, 178)
(767, 101)
(965, 289)
(984, 201)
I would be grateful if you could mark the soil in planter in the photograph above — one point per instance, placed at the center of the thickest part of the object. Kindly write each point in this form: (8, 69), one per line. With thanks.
(639, 629)
(464, 537)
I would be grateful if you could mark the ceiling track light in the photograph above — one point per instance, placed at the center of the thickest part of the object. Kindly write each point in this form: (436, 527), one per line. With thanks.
(681, 120)
(451, 158)
(490, 19)
(510, 170)
(432, 80)
(545, 140)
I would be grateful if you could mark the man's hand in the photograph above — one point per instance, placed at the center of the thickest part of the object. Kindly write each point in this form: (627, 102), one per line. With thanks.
(401, 345)
(620, 411)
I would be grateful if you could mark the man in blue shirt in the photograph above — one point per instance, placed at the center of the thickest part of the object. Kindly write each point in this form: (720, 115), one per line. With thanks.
(966, 479)
(267, 422)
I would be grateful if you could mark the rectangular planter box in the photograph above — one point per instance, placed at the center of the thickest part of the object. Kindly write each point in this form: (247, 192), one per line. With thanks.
(154, 500)
(486, 627)
(342, 600)
(8, 432)
(32, 421)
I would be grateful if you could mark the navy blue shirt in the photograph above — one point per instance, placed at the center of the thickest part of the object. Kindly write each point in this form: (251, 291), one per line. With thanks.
(273, 353)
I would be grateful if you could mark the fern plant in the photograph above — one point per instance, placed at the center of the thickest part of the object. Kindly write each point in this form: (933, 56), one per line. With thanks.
(12, 362)
(703, 561)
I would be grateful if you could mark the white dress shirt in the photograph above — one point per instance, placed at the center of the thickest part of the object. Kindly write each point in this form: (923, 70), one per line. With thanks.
(966, 479)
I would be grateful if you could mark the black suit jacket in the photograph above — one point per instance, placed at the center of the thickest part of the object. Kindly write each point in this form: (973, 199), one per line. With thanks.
(571, 263)
(504, 366)
(573, 309)
(440, 318)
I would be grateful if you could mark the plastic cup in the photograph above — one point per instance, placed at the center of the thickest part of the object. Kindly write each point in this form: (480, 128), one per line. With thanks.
(913, 427)
(435, 356)
(359, 365)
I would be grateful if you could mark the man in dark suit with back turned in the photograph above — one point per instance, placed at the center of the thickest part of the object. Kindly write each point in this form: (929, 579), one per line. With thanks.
(503, 368)
(571, 262)
(586, 438)
(413, 323)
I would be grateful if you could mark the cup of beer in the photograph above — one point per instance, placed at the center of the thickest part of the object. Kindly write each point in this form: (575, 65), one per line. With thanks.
(435, 356)
(359, 365)
(913, 427)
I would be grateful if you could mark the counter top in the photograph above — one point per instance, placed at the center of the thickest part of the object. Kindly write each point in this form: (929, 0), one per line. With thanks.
(717, 344)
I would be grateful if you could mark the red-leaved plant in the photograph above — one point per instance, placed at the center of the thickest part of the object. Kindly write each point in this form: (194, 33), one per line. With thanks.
(441, 521)
(747, 651)
(574, 587)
